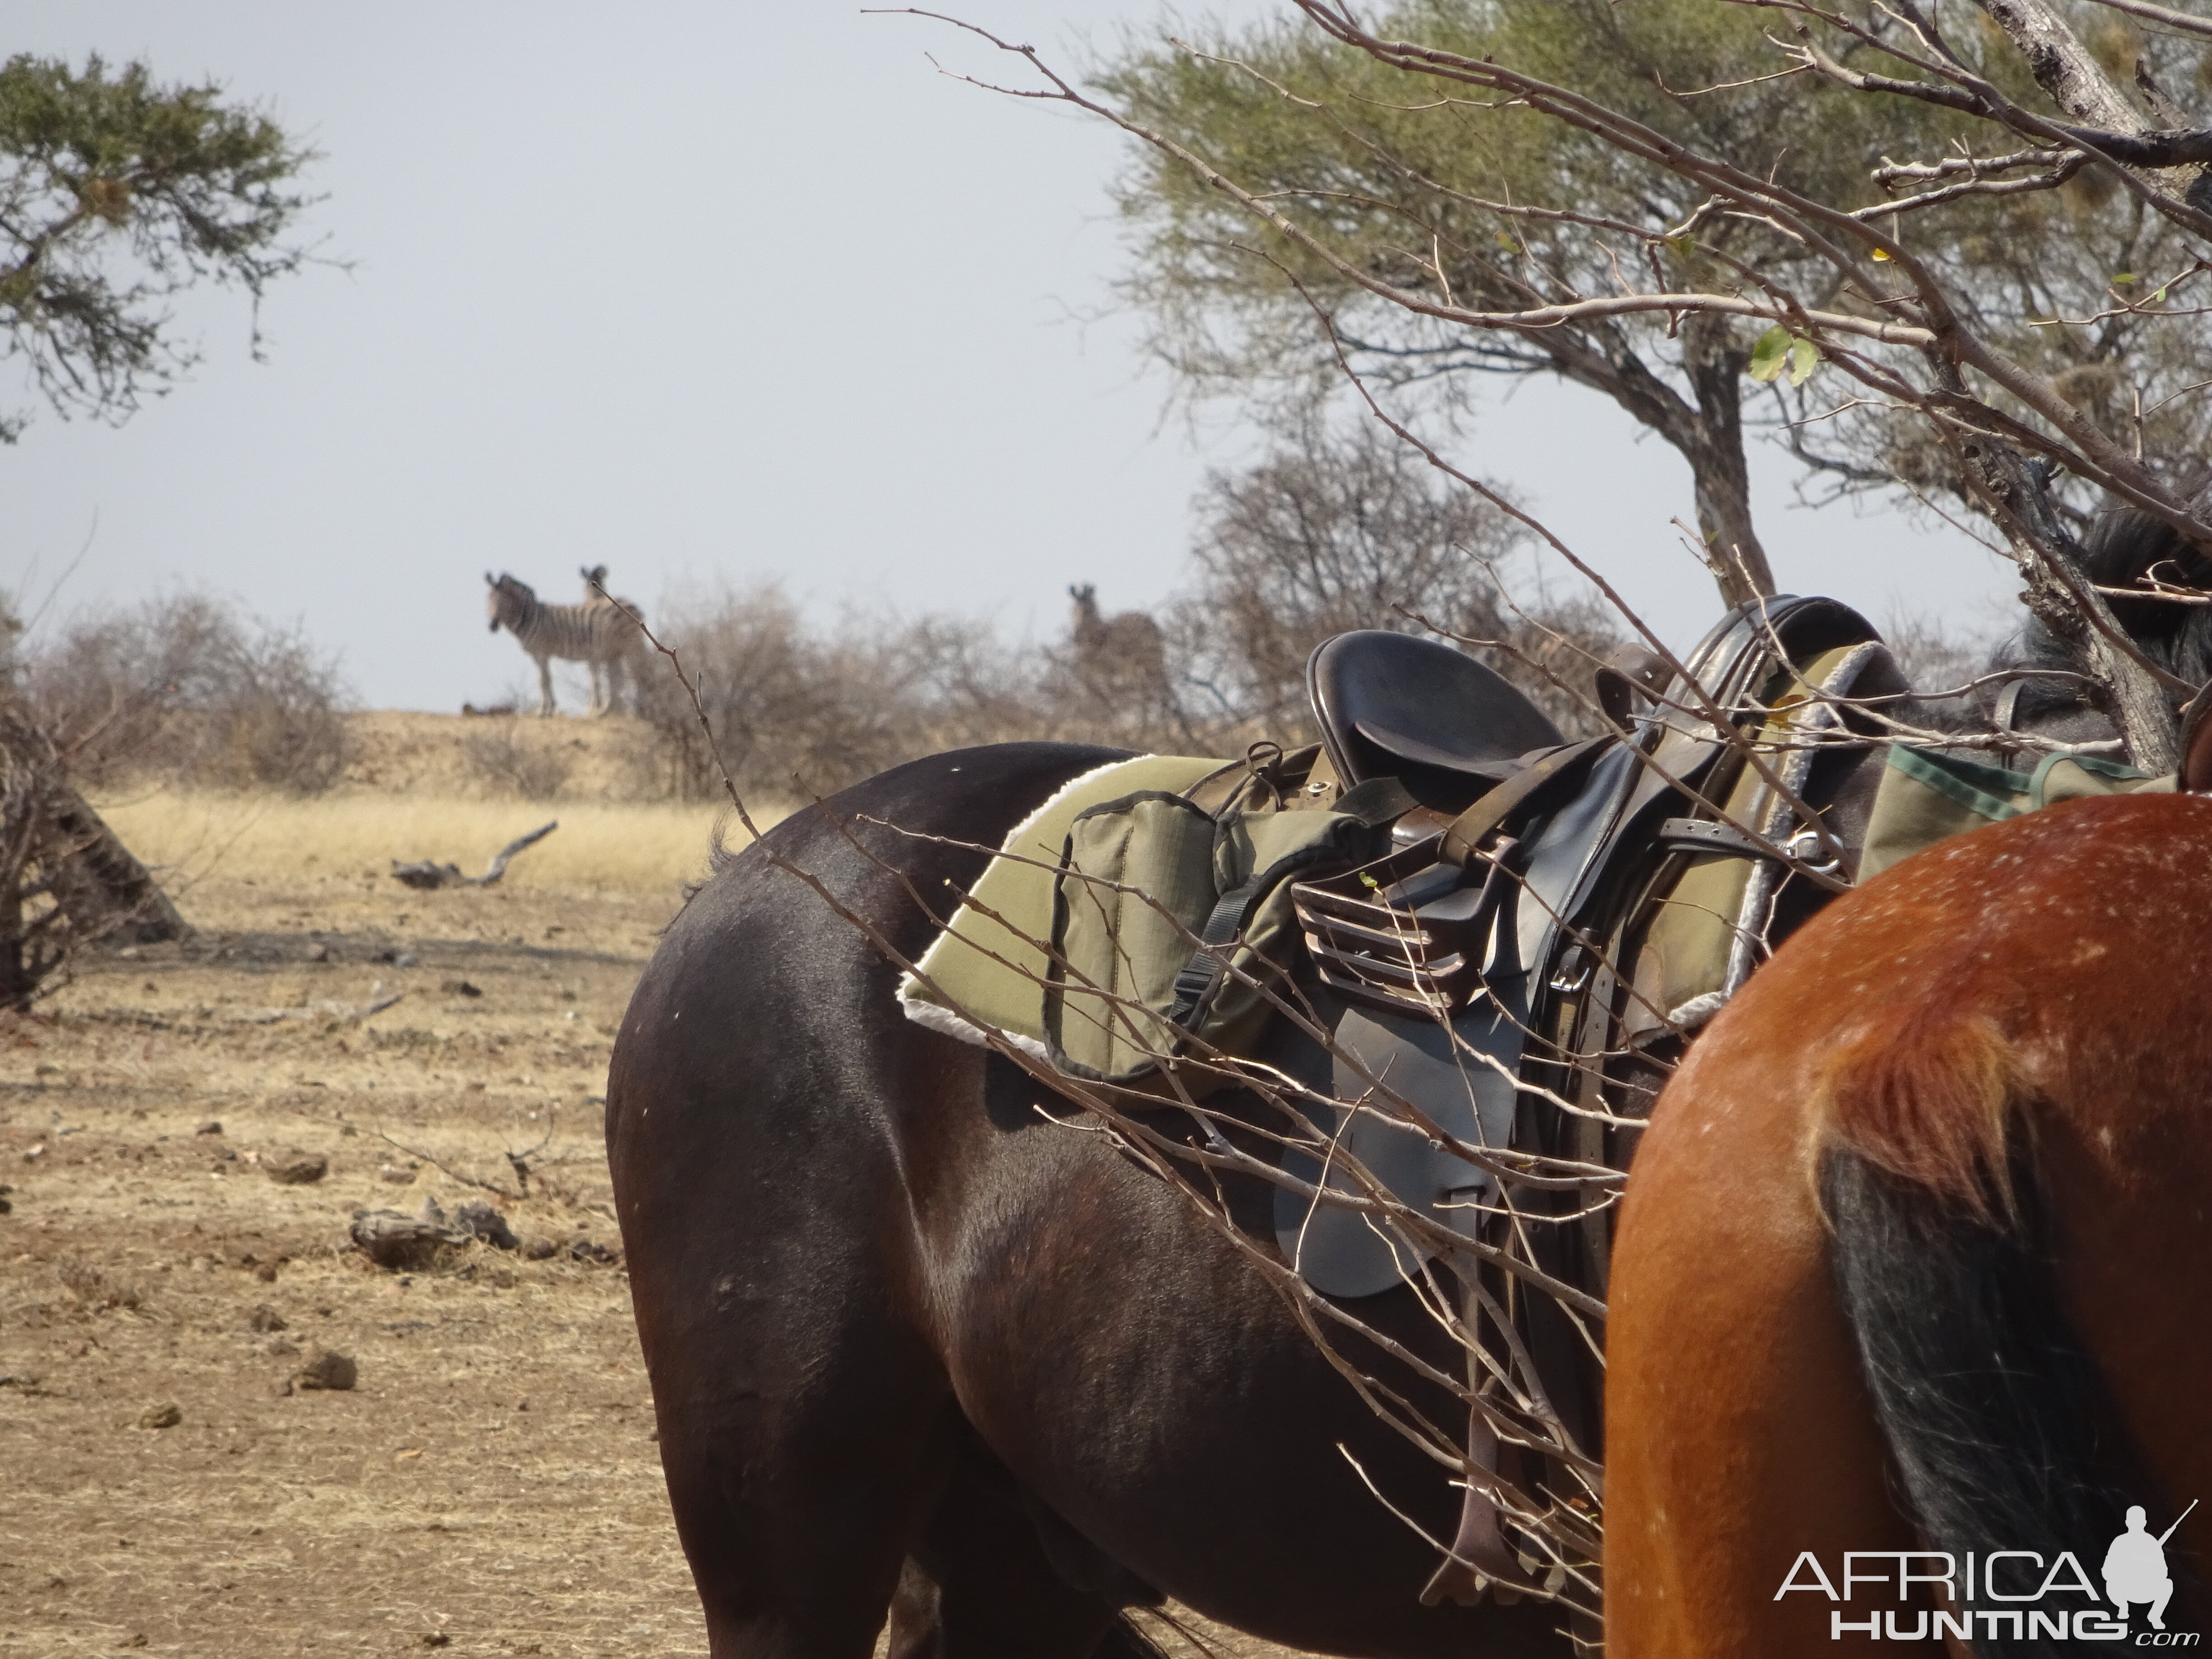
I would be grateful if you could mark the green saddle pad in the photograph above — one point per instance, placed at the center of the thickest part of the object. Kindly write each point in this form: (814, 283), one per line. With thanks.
(1927, 795)
(988, 968)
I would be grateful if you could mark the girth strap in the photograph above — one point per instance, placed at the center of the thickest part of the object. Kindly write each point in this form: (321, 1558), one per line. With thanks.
(1708, 835)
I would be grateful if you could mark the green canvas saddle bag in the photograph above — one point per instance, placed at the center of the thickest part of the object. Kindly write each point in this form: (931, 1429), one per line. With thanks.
(1171, 925)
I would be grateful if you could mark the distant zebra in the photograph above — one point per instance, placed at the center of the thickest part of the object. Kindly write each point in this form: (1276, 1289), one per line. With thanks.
(1125, 649)
(598, 633)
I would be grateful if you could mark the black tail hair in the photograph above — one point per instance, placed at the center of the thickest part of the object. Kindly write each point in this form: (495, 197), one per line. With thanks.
(2003, 1429)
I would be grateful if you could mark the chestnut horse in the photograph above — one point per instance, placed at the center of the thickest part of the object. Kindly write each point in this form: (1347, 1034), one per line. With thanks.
(1915, 1257)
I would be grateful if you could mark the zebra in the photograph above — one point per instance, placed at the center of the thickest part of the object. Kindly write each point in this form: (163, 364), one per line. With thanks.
(601, 633)
(1125, 649)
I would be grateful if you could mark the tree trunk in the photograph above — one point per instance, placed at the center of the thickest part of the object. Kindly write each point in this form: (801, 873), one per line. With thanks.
(2064, 598)
(1717, 463)
(1708, 436)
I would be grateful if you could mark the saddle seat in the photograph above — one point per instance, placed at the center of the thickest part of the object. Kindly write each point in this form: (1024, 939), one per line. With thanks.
(1396, 705)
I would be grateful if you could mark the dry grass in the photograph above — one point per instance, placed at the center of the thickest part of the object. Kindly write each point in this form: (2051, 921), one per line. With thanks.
(641, 848)
(492, 1486)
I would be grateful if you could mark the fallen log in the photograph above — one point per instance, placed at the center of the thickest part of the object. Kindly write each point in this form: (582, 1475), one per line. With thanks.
(401, 1241)
(426, 875)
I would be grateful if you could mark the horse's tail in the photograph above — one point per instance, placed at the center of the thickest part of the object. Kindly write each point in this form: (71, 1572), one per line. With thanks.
(1993, 1411)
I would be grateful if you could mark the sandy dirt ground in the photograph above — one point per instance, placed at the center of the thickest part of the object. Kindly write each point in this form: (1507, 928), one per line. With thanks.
(490, 1484)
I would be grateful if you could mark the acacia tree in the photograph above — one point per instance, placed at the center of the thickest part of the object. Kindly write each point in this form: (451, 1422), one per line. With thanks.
(116, 193)
(1628, 220)
(1419, 191)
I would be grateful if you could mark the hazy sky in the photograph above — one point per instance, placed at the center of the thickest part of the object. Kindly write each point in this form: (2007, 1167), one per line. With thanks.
(716, 292)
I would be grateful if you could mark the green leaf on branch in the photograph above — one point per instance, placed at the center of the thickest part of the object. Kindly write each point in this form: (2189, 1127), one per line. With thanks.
(1778, 349)
(1771, 354)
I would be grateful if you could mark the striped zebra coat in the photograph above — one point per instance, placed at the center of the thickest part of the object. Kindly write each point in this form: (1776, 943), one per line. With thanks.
(598, 633)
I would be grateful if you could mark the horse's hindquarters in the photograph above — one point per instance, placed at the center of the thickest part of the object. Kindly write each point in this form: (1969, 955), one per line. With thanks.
(1738, 1433)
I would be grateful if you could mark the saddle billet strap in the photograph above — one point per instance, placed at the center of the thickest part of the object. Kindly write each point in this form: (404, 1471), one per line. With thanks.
(1710, 835)
(1470, 828)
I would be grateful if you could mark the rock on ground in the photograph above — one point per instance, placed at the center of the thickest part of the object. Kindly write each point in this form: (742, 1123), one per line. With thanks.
(325, 1368)
(293, 1168)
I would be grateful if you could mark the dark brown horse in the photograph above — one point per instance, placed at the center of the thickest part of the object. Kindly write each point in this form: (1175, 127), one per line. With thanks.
(921, 1342)
(908, 1336)
(1916, 1254)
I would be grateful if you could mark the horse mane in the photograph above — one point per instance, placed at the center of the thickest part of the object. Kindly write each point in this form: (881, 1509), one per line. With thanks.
(2122, 546)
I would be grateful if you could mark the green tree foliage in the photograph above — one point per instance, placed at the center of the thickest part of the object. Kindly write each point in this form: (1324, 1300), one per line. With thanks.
(116, 192)
(1484, 203)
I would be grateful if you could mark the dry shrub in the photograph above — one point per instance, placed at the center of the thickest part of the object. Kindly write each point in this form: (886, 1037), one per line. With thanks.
(795, 711)
(1327, 534)
(1333, 531)
(187, 689)
(505, 762)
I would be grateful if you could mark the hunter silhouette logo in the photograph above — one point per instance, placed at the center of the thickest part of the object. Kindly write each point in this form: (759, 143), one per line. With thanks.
(2135, 1566)
(2032, 1601)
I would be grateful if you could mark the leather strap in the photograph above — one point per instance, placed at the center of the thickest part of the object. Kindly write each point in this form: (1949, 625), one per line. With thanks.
(1709, 836)
(1470, 828)
(2008, 706)
(1377, 802)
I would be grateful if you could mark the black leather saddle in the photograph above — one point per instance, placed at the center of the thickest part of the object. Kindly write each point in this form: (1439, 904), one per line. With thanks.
(1395, 705)
(1750, 642)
